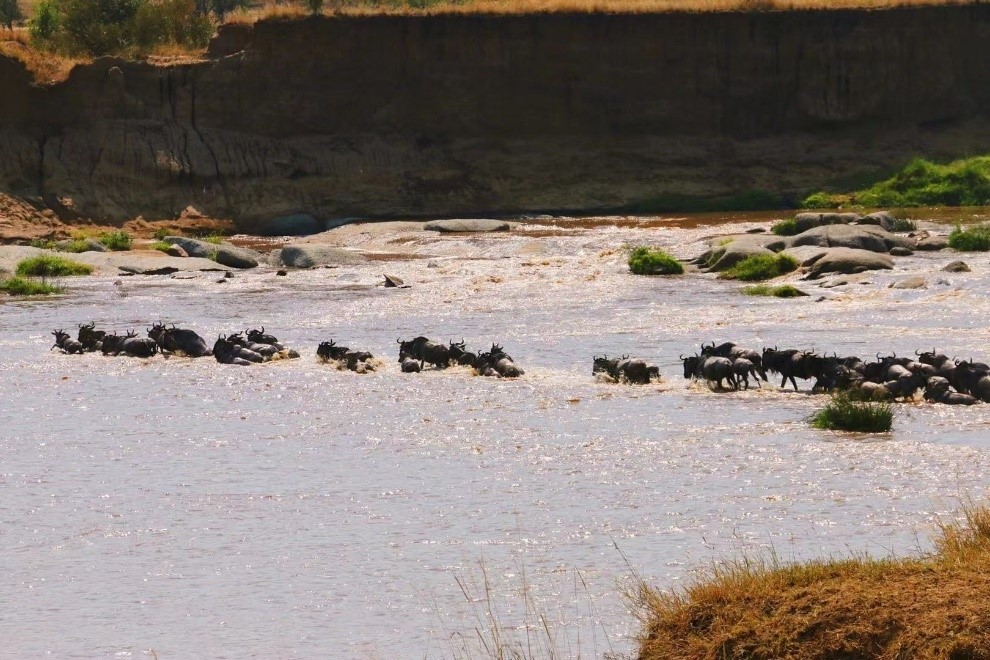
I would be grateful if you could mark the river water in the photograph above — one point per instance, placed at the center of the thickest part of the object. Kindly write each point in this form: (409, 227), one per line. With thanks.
(179, 508)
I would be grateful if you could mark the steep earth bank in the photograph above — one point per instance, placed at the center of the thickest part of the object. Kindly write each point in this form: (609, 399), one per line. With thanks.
(399, 116)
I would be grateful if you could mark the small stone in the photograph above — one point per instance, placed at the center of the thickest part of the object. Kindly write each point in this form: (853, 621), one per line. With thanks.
(393, 282)
(899, 251)
(756, 230)
(176, 251)
(957, 267)
(281, 273)
(916, 282)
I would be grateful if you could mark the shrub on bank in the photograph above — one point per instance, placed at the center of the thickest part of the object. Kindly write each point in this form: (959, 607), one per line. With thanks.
(845, 414)
(820, 200)
(161, 246)
(758, 267)
(787, 227)
(10, 12)
(970, 239)
(644, 261)
(21, 286)
(50, 265)
(782, 291)
(118, 241)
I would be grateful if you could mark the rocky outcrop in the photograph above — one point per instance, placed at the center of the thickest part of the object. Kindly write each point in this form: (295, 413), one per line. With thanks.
(224, 254)
(847, 261)
(874, 239)
(312, 255)
(458, 225)
(477, 114)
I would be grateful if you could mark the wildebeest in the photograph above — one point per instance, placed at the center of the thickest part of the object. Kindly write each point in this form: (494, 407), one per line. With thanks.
(743, 368)
(791, 364)
(712, 369)
(90, 337)
(631, 370)
(179, 341)
(130, 345)
(426, 351)
(65, 342)
(460, 354)
(262, 337)
(937, 390)
(410, 365)
(497, 362)
(734, 352)
(226, 351)
(359, 361)
(974, 379)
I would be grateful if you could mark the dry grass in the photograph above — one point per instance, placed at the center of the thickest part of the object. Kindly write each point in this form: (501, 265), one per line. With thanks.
(46, 67)
(932, 607)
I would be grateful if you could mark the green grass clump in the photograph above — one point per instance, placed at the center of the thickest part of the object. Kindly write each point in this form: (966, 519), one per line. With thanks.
(644, 261)
(43, 244)
(820, 200)
(971, 239)
(75, 246)
(904, 224)
(21, 286)
(844, 414)
(216, 239)
(160, 233)
(782, 291)
(963, 182)
(161, 246)
(785, 227)
(118, 241)
(759, 267)
(50, 265)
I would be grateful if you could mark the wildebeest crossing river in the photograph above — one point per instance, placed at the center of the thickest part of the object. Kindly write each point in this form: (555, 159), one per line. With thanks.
(293, 510)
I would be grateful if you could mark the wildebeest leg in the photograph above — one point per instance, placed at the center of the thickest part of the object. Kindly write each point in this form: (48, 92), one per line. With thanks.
(745, 380)
(794, 383)
(783, 382)
(756, 377)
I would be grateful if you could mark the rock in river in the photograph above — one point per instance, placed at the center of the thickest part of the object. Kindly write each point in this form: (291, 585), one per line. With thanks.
(467, 225)
(848, 260)
(224, 254)
(309, 255)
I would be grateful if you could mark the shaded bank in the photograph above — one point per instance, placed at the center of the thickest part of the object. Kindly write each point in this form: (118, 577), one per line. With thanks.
(447, 115)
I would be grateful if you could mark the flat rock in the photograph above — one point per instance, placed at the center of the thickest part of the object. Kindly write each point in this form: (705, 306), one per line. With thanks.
(880, 218)
(957, 267)
(932, 243)
(467, 225)
(873, 239)
(916, 282)
(309, 255)
(224, 254)
(848, 261)
(901, 251)
(91, 244)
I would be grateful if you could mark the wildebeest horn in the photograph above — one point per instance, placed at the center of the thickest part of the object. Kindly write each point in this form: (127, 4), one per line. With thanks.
(916, 352)
(398, 341)
(680, 357)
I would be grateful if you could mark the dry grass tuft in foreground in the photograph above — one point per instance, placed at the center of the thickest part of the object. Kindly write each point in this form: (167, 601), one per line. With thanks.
(931, 607)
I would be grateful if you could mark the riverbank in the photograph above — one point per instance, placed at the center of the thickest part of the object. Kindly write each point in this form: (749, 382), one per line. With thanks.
(929, 607)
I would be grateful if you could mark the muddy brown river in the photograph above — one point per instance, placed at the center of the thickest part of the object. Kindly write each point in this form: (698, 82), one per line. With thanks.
(181, 508)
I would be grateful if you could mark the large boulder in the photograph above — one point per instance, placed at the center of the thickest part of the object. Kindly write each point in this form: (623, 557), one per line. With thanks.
(467, 225)
(932, 243)
(810, 220)
(224, 254)
(874, 239)
(730, 250)
(310, 255)
(880, 219)
(847, 261)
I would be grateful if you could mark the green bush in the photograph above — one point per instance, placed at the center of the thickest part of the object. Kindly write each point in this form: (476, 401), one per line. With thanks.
(20, 286)
(314, 6)
(76, 246)
(45, 23)
(782, 291)
(819, 200)
(924, 183)
(161, 246)
(216, 239)
(96, 27)
(904, 224)
(9, 13)
(43, 243)
(845, 414)
(118, 241)
(50, 265)
(971, 239)
(171, 22)
(785, 227)
(644, 261)
(758, 267)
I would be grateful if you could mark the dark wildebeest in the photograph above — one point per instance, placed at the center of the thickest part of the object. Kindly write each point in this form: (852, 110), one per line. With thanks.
(460, 355)
(265, 350)
(344, 357)
(712, 369)
(179, 341)
(497, 362)
(791, 364)
(228, 352)
(631, 370)
(90, 337)
(743, 368)
(262, 337)
(973, 378)
(65, 342)
(937, 390)
(130, 345)
(734, 352)
(410, 365)
(425, 350)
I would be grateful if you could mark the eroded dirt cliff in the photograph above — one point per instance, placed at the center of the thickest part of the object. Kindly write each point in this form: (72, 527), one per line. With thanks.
(391, 116)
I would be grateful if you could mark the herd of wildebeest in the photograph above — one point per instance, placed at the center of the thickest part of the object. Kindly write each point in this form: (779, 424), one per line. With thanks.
(724, 367)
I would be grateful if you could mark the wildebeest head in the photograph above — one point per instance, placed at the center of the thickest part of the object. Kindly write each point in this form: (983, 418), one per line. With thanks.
(328, 350)
(690, 365)
(457, 349)
(261, 337)
(156, 331)
(603, 365)
(89, 335)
